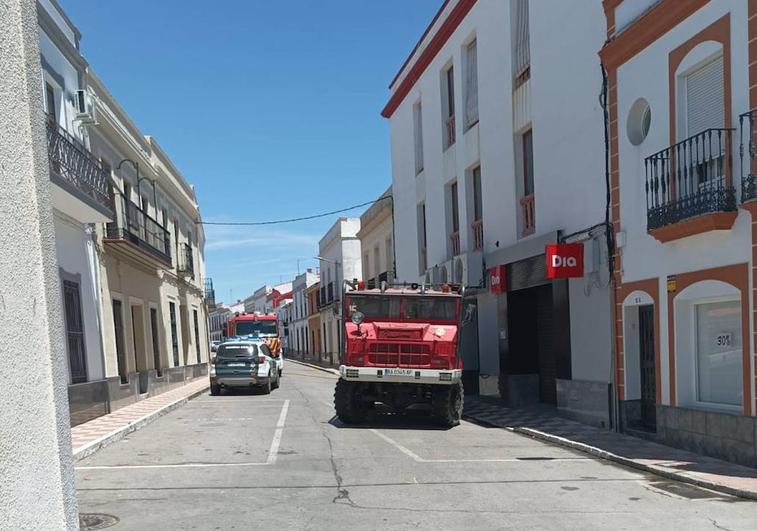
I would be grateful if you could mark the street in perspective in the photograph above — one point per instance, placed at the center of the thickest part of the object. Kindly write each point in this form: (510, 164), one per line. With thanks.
(245, 285)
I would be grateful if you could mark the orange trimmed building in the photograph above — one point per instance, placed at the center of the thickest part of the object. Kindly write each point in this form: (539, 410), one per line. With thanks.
(682, 84)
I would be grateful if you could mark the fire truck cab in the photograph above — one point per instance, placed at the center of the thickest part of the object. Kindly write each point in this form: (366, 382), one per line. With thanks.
(400, 349)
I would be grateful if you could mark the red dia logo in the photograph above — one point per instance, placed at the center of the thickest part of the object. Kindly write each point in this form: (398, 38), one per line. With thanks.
(565, 260)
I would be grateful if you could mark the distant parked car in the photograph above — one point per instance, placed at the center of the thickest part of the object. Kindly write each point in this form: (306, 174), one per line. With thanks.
(214, 345)
(243, 363)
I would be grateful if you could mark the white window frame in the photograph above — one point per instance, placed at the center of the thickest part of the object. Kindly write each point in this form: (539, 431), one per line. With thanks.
(693, 345)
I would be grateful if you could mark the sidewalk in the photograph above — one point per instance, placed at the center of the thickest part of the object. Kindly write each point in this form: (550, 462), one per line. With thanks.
(311, 359)
(89, 437)
(540, 422)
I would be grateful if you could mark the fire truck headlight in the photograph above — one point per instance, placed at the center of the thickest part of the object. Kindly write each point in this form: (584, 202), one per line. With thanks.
(357, 317)
(439, 332)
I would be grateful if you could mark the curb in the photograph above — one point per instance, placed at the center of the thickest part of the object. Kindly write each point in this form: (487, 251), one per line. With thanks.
(312, 366)
(120, 433)
(625, 461)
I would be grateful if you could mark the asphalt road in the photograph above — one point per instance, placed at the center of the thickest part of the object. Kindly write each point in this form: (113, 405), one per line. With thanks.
(246, 461)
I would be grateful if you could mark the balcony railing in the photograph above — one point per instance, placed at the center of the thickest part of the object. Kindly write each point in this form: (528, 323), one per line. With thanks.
(134, 225)
(454, 239)
(747, 152)
(449, 124)
(210, 292)
(478, 234)
(690, 178)
(527, 211)
(186, 259)
(73, 163)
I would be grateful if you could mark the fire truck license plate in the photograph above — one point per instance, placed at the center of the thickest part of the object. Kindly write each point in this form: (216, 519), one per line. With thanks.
(398, 372)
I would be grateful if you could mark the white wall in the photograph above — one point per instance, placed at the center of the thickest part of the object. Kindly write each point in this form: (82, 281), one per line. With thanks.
(74, 249)
(644, 257)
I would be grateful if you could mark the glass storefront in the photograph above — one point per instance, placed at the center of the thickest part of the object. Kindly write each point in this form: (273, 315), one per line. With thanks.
(719, 352)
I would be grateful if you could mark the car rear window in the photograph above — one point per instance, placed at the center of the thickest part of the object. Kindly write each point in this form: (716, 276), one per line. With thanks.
(237, 351)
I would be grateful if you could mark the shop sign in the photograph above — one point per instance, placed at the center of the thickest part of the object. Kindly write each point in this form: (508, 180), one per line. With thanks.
(498, 279)
(565, 260)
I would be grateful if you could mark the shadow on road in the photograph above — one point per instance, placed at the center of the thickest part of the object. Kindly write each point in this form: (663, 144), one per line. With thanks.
(387, 419)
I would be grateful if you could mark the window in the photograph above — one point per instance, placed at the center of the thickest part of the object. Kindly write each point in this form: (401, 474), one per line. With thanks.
(390, 259)
(77, 362)
(477, 199)
(50, 107)
(454, 207)
(471, 85)
(127, 190)
(448, 106)
(528, 163)
(418, 136)
(521, 49)
(719, 353)
(638, 122)
(705, 99)
(165, 218)
(118, 327)
(421, 221)
(174, 333)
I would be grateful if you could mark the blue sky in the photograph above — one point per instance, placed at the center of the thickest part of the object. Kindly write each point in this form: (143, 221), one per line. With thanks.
(271, 108)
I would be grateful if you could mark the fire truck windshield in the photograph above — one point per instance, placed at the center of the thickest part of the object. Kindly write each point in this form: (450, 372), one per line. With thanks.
(263, 328)
(406, 307)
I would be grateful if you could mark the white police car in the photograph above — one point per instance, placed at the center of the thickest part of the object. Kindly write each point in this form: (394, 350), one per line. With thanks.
(243, 362)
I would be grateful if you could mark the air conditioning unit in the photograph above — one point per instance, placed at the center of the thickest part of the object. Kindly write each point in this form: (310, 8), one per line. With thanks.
(86, 110)
(467, 269)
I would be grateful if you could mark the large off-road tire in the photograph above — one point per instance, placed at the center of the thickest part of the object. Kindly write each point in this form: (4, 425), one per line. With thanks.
(349, 407)
(447, 404)
(215, 389)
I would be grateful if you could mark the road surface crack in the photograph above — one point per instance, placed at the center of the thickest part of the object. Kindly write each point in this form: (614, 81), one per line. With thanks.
(342, 494)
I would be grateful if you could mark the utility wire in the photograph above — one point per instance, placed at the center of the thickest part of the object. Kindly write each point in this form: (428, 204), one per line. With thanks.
(292, 220)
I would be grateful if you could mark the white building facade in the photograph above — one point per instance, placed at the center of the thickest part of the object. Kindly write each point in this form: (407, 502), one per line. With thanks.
(490, 164)
(682, 95)
(376, 237)
(300, 311)
(339, 254)
(81, 197)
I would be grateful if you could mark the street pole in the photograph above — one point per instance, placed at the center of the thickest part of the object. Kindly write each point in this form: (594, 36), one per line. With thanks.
(37, 490)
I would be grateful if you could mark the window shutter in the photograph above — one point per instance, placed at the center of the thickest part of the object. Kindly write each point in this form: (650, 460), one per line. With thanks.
(705, 98)
(471, 88)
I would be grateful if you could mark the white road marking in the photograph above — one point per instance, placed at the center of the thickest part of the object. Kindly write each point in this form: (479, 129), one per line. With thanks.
(418, 459)
(272, 453)
(274, 450)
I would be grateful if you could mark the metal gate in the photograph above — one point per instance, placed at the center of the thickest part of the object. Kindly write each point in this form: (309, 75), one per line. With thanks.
(647, 367)
(77, 359)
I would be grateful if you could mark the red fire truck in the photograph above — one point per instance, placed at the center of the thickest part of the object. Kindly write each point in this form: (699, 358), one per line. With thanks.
(262, 325)
(400, 349)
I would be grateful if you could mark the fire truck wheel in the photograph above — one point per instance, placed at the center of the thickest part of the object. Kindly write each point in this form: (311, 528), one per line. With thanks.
(448, 404)
(349, 407)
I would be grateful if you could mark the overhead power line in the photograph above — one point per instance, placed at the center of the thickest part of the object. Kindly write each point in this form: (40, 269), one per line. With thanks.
(292, 220)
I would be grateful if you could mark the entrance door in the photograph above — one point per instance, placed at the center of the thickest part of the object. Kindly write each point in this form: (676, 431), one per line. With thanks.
(77, 361)
(155, 340)
(118, 328)
(647, 368)
(140, 351)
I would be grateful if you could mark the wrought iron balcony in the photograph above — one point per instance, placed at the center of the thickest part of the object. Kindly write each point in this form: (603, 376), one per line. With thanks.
(77, 167)
(454, 239)
(478, 234)
(133, 225)
(186, 260)
(747, 157)
(689, 179)
(527, 205)
(210, 292)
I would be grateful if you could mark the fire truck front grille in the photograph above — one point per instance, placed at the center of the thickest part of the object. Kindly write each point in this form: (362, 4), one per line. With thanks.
(399, 355)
